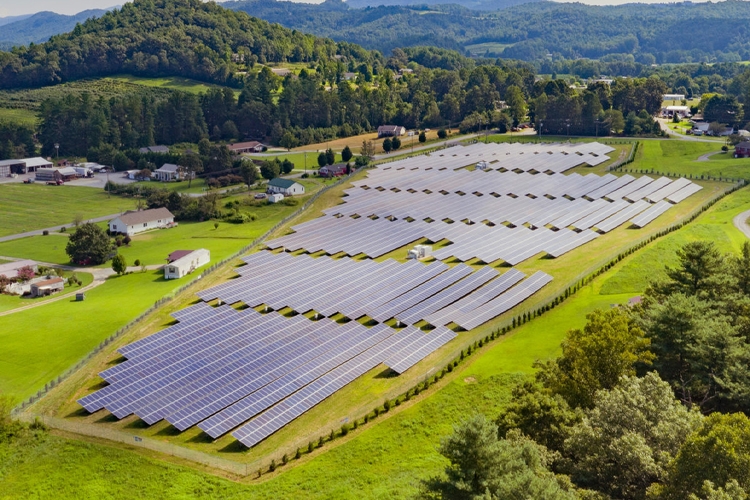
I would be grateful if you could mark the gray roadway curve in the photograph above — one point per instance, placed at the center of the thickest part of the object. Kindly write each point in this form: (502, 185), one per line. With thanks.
(53, 229)
(740, 222)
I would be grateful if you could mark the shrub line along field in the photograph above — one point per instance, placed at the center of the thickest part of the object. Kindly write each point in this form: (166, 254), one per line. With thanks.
(360, 397)
(402, 446)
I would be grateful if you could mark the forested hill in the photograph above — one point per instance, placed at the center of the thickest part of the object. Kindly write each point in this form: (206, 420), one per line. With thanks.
(675, 32)
(41, 26)
(491, 5)
(187, 38)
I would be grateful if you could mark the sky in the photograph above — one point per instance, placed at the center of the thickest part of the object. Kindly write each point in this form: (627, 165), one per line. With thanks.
(16, 8)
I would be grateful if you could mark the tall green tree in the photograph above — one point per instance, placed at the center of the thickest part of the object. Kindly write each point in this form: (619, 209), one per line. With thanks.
(119, 264)
(346, 154)
(89, 245)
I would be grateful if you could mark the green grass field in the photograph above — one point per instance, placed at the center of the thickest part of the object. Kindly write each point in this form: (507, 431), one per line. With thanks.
(27, 207)
(18, 115)
(9, 302)
(400, 447)
(679, 157)
(171, 82)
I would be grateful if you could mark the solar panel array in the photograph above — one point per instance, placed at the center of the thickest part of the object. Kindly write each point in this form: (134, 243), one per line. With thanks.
(231, 365)
(235, 369)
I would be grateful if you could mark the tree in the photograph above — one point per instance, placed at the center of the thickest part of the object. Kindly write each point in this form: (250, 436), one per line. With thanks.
(717, 452)
(483, 466)
(270, 169)
(330, 156)
(396, 143)
(119, 264)
(346, 154)
(219, 159)
(288, 141)
(422, 137)
(595, 358)
(516, 103)
(626, 441)
(249, 173)
(192, 164)
(442, 133)
(387, 145)
(89, 245)
(322, 160)
(25, 273)
(538, 413)
(368, 149)
(699, 272)
(287, 166)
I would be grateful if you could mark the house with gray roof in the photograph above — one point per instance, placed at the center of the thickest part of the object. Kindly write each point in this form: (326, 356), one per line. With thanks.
(170, 172)
(135, 222)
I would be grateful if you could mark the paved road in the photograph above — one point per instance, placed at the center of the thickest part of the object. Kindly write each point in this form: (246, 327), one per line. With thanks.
(707, 156)
(740, 222)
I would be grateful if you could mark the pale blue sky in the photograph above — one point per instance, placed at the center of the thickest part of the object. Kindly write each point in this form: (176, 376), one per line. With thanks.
(15, 7)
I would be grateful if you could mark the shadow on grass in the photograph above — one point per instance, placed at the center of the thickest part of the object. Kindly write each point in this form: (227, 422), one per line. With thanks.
(78, 413)
(108, 419)
(234, 447)
(387, 373)
(201, 438)
(138, 424)
(169, 430)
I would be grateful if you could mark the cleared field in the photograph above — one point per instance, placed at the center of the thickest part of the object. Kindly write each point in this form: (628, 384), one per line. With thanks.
(480, 49)
(27, 207)
(355, 143)
(171, 83)
(22, 116)
(679, 158)
(400, 447)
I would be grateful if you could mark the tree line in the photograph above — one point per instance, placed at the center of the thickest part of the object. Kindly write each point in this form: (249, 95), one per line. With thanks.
(648, 401)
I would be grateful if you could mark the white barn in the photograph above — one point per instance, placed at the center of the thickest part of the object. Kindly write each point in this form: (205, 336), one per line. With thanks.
(186, 264)
(131, 223)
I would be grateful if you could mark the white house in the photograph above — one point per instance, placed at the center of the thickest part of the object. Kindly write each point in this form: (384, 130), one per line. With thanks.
(131, 223)
(275, 198)
(186, 264)
(169, 172)
(287, 187)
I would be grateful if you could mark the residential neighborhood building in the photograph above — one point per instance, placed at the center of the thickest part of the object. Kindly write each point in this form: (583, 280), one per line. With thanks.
(275, 198)
(10, 269)
(135, 222)
(154, 149)
(673, 97)
(247, 147)
(337, 170)
(670, 111)
(47, 287)
(56, 174)
(23, 166)
(287, 187)
(169, 172)
(742, 150)
(186, 262)
(391, 130)
(700, 128)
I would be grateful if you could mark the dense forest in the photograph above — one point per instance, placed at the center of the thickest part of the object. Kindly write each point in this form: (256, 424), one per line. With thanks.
(658, 33)
(645, 402)
(187, 38)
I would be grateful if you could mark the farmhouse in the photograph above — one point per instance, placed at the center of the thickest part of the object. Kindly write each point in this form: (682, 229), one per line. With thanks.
(247, 147)
(131, 223)
(742, 150)
(56, 174)
(154, 149)
(23, 166)
(186, 262)
(391, 130)
(670, 111)
(47, 287)
(10, 270)
(336, 170)
(169, 172)
(287, 187)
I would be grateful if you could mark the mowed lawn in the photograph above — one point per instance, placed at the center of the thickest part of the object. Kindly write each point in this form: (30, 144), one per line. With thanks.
(401, 447)
(153, 247)
(26, 207)
(41, 343)
(680, 157)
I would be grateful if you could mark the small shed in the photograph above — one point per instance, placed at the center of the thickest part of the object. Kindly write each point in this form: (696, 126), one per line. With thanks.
(186, 264)
(47, 287)
(275, 198)
(287, 187)
(80, 297)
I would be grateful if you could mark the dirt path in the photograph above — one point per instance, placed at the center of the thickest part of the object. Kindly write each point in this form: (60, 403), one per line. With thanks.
(740, 222)
(706, 156)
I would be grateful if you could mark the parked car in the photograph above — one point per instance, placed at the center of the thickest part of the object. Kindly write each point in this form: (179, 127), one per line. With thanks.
(28, 181)
(55, 183)
(260, 196)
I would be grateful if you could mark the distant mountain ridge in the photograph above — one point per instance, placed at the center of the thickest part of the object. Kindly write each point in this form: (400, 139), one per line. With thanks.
(488, 5)
(13, 19)
(39, 27)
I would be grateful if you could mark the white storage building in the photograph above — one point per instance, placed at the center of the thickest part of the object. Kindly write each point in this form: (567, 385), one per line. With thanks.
(187, 264)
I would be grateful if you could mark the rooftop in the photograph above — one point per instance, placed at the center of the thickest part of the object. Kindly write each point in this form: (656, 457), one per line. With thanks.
(143, 216)
(282, 183)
